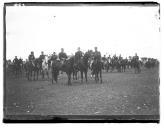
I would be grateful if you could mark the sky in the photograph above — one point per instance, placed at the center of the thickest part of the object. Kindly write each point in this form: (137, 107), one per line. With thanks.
(124, 30)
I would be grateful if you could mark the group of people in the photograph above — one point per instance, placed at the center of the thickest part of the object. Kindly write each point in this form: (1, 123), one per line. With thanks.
(62, 56)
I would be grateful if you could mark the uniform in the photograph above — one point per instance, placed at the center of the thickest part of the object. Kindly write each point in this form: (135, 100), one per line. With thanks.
(53, 57)
(31, 58)
(78, 56)
(104, 59)
(97, 56)
(62, 56)
(136, 57)
(16, 61)
(42, 57)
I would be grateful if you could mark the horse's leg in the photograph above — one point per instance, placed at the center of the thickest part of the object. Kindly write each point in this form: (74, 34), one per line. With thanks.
(100, 76)
(96, 77)
(34, 75)
(73, 75)
(48, 74)
(52, 76)
(76, 72)
(31, 75)
(55, 77)
(37, 74)
(42, 74)
(28, 74)
(69, 78)
(86, 76)
(81, 76)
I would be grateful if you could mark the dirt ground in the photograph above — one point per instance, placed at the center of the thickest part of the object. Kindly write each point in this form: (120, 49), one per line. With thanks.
(119, 94)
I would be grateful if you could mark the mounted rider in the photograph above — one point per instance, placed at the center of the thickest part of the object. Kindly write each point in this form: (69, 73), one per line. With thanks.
(15, 61)
(136, 58)
(97, 55)
(31, 57)
(62, 56)
(54, 56)
(104, 58)
(78, 55)
(42, 56)
(120, 58)
(109, 58)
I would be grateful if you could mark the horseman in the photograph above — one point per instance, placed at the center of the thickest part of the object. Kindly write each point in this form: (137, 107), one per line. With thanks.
(31, 57)
(20, 63)
(97, 66)
(54, 56)
(16, 65)
(109, 58)
(42, 56)
(78, 55)
(97, 55)
(136, 58)
(16, 61)
(62, 56)
(104, 58)
(120, 58)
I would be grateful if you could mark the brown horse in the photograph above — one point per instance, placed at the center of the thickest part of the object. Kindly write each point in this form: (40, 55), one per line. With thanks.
(66, 67)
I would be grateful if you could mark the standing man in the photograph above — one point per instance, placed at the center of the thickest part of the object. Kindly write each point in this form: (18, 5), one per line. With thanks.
(62, 56)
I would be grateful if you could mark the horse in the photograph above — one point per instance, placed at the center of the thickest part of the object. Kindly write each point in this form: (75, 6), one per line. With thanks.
(66, 66)
(97, 66)
(136, 65)
(55, 68)
(45, 67)
(32, 68)
(29, 69)
(123, 64)
(84, 65)
(106, 64)
(9, 68)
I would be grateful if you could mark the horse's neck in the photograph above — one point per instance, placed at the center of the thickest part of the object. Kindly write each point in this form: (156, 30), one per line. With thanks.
(85, 60)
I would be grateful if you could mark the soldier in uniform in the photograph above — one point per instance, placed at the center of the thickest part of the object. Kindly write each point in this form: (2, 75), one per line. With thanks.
(54, 56)
(97, 55)
(120, 57)
(62, 56)
(78, 55)
(42, 56)
(136, 57)
(16, 61)
(104, 58)
(31, 57)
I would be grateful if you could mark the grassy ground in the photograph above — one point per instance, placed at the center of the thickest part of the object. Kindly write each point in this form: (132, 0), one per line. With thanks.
(119, 94)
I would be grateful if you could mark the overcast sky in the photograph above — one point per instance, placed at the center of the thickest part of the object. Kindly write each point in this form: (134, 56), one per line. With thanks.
(113, 29)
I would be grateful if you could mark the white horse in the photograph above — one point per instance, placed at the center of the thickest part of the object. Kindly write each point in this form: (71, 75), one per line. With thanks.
(45, 68)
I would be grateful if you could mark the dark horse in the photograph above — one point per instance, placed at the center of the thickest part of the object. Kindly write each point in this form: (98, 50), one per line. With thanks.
(33, 69)
(66, 67)
(136, 65)
(96, 68)
(83, 66)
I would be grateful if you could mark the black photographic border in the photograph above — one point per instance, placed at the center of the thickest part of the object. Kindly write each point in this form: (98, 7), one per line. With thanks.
(71, 118)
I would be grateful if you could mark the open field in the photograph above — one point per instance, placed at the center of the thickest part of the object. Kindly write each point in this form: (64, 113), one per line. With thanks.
(119, 94)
